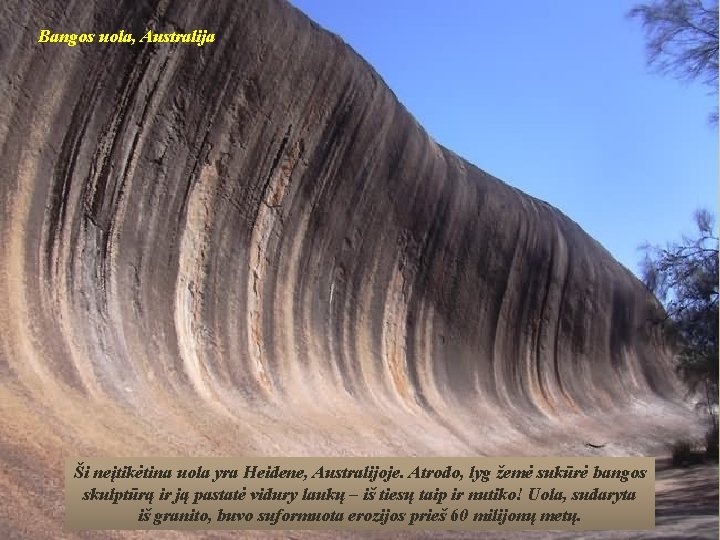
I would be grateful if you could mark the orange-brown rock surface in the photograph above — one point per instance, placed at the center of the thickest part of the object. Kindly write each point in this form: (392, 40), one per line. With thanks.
(250, 247)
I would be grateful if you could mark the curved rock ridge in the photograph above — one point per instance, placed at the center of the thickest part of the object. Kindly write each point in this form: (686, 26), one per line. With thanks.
(251, 247)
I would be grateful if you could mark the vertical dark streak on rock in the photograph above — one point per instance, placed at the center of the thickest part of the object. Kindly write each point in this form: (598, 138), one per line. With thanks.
(276, 160)
(62, 179)
(558, 327)
(540, 368)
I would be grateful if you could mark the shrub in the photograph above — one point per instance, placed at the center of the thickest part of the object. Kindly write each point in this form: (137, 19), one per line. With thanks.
(682, 453)
(711, 441)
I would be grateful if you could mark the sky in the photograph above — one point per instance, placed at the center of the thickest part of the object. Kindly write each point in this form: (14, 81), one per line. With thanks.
(554, 98)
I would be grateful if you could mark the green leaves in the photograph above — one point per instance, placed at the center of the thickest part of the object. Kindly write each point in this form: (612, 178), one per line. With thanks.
(684, 276)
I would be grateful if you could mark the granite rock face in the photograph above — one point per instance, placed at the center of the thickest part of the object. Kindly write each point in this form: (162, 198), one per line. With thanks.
(250, 247)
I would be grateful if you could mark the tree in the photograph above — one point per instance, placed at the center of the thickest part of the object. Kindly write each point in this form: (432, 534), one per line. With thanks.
(684, 277)
(682, 38)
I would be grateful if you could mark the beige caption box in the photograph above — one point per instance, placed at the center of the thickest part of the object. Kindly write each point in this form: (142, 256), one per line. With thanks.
(511, 493)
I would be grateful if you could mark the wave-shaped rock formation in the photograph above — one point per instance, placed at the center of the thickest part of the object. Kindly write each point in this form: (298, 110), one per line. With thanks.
(250, 247)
